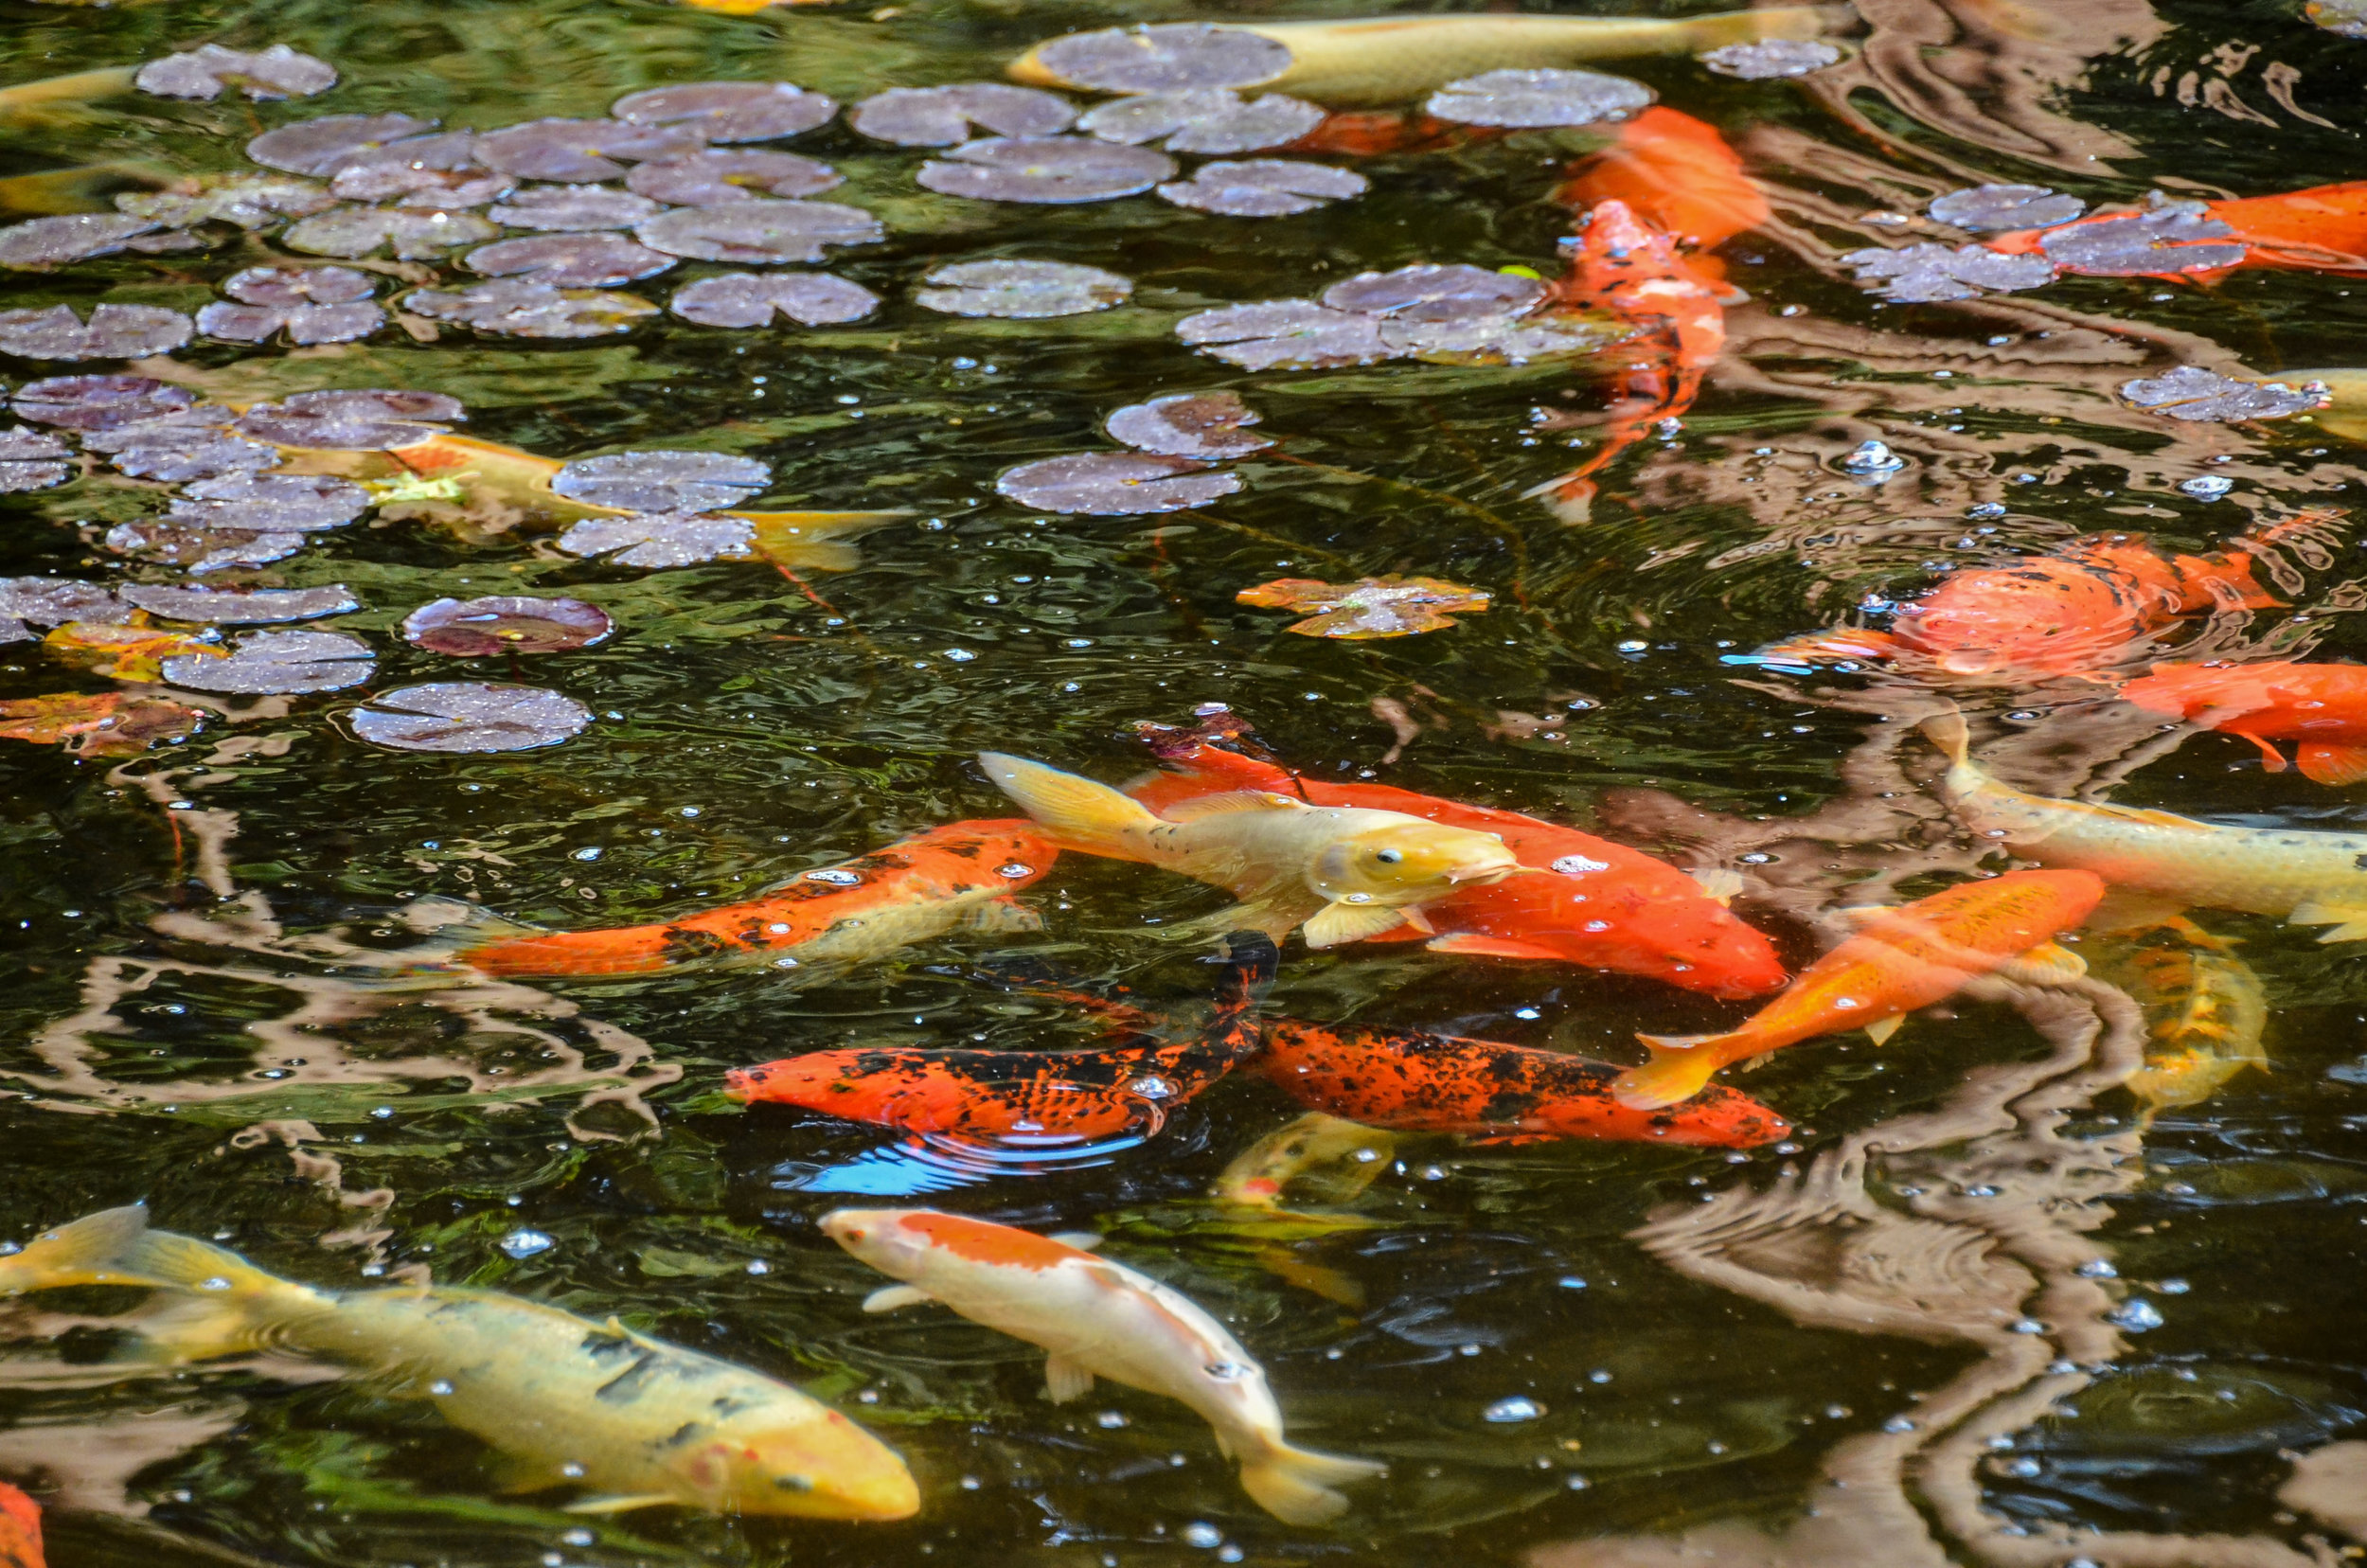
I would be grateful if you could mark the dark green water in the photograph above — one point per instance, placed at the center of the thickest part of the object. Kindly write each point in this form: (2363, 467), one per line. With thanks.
(749, 732)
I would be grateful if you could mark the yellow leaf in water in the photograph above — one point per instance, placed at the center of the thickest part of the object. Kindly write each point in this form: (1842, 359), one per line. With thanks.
(1389, 606)
(95, 723)
(124, 652)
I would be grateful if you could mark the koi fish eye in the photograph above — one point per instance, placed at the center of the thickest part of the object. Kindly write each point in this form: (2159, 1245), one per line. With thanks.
(1388, 857)
(793, 1483)
(855, 1233)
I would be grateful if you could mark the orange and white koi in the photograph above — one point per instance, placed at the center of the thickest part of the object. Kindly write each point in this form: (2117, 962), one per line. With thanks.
(2324, 706)
(958, 876)
(1099, 1319)
(1898, 960)
(1678, 174)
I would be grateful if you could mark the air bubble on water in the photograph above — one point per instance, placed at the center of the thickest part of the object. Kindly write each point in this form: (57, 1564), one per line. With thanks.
(1897, 1424)
(1873, 459)
(2173, 1287)
(1109, 1421)
(1202, 1535)
(2028, 1326)
(439, 1387)
(2097, 1268)
(2209, 486)
(758, 1266)
(577, 1537)
(526, 1243)
(1528, 1012)
(1515, 1408)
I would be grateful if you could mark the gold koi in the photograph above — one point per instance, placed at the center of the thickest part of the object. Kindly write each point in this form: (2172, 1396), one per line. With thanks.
(79, 1253)
(2205, 1012)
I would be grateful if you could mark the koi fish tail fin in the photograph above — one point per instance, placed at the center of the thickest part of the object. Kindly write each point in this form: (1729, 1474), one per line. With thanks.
(83, 1253)
(1082, 814)
(229, 1307)
(1948, 731)
(2324, 763)
(1679, 1070)
(455, 929)
(1299, 1486)
(1571, 501)
(1846, 642)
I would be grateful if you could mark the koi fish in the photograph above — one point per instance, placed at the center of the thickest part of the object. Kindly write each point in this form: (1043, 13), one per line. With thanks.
(1678, 174)
(20, 1530)
(65, 99)
(2205, 1012)
(1624, 266)
(79, 1253)
(1495, 1093)
(2322, 706)
(2162, 862)
(951, 878)
(1032, 1099)
(2320, 229)
(1389, 60)
(1342, 872)
(1603, 905)
(1099, 1319)
(566, 1401)
(1338, 1157)
(1373, 132)
(1898, 959)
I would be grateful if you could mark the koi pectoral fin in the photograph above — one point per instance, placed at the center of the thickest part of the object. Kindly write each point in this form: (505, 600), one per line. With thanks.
(2349, 920)
(1473, 945)
(2125, 910)
(1063, 1380)
(1880, 1030)
(621, 1504)
(1002, 915)
(887, 1298)
(2322, 763)
(1679, 1070)
(1336, 923)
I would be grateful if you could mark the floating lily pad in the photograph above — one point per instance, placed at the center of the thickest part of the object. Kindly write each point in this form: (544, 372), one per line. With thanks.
(1436, 292)
(177, 456)
(100, 402)
(939, 117)
(1926, 273)
(1114, 484)
(523, 308)
(437, 171)
(758, 230)
(30, 461)
(363, 419)
(201, 549)
(579, 151)
(114, 331)
(1295, 334)
(660, 539)
(415, 234)
(323, 146)
(56, 602)
(196, 422)
(239, 606)
(298, 286)
(752, 300)
(1207, 119)
(304, 324)
(1022, 291)
(277, 72)
(1490, 340)
(1045, 169)
(77, 237)
(472, 629)
(572, 207)
(569, 261)
(1188, 424)
(1263, 187)
(729, 111)
(1541, 97)
(245, 201)
(1165, 58)
(662, 481)
(1388, 606)
(469, 716)
(270, 502)
(712, 178)
(2174, 238)
(1766, 58)
(279, 663)
(2205, 397)
(2005, 206)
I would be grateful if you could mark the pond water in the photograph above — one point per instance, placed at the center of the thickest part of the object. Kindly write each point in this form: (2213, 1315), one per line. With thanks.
(1980, 1304)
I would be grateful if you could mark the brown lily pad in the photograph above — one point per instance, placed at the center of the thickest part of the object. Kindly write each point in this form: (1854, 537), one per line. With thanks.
(579, 151)
(54, 601)
(114, 332)
(1114, 484)
(729, 111)
(323, 146)
(1295, 335)
(759, 231)
(1388, 606)
(940, 117)
(177, 456)
(277, 72)
(517, 307)
(1021, 290)
(239, 606)
(361, 420)
(1263, 187)
(298, 286)
(98, 403)
(303, 324)
(278, 664)
(243, 201)
(30, 461)
(568, 260)
(1491, 340)
(713, 177)
(1435, 291)
(661, 539)
(57, 241)
(414, 234)
(2205, 397)
(1050, 170)
(474, 629)
(753, 299)
(1188, 424)
(663, 481)
(1540, 96)
(1165, 58)
(469, 716)
(435, 170)
(1206, 120)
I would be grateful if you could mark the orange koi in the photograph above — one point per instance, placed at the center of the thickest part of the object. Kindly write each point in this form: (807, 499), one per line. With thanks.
(1606, 906)
(1678, 174)
(2322, 706)
(1377, 132)
(1899, 959)
(1496, 1093)
(1625, 267)
(2320, 229)
(961, 874)
(19, 1529)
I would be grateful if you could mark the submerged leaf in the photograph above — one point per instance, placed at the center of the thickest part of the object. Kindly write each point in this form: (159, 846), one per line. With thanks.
(1165, 58)
(2176, 237)
(940, 117)
(239, 606)
(568, 260)
(1430, 291)
(660, 539)
(414, 234)
(244, 201)
(114, 331)
(270, 502)
(103, 723)
(200, 550)
(323, 146)
(277, 72)
(579, 151)
(711, 178)
(759, 230)
(177, 456)
(98, 403)
(77, 237)
(524, 308)
(2201, 396)
(1541, 97)
(568, 206)
(361, 419)
(1286, 334)
(1045, 169)
(1188, 424)
(1766, 58)
(469, 716)
(1207, 119)
(1391, 606)
(126, 652)
(1022, 290)
(1927, 273)
(1114, 484)
(662, 481)
(31, 461)
(2005, 206)
(752, 300)
(436, 170)
(279, 663)
(1263, 187)
(729, 111)
(470, 629)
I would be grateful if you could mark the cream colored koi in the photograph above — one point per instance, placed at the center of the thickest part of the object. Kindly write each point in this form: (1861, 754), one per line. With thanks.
(1099, 1319)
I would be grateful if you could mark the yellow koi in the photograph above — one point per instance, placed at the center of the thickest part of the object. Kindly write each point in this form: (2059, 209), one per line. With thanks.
(79, 1253)
(2345, 411)
(2205, 1011)
(63, 99)
(1335, 1158)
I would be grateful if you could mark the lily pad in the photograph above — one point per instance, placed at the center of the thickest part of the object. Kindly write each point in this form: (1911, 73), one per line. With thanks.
(197, 422)
(661, 539)
(1293, 334)
(239, 606)
(1022, 291)
(1263, 187)
(98, 403)
(362, 419)
(176, 456)
(1045, 169)
(1540, 96)
(415, 234)
(729, 111)
(77, 237)
(1491, 340)
(114, 331)
(524, 308)
(579, 151)
(469, 716)
(1207, 119)
(752, 300)
(568, 260)
(940, 117)
(298, 286)
(662, 481)
(30, 461)
(124, 652)
(572, 207)
(277, 72)
(1165, 58)
(1188, 424)
(1928, 273)
(1767, 59)
(2205, 397)
(437, 171)
(1436, 292)
(759, 230)
(195, 549)
(2176, 237)
(244, 201)
(323, 146)
(304, 324)
(56, 602)
(472, 629)
(270, 502)
(279, 663)
(1114, 484)
(712, 178)
(1391, 606)
(1998, 207)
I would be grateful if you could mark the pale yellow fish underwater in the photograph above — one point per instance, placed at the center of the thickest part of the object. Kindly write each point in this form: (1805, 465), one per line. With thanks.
(79, 1253)
(2205, 1014)
(1335, 1159)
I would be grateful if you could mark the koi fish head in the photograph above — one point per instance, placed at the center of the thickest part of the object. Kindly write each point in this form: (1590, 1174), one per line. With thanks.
(1692, 942)
(2044, 618)
(825, 1467)
(904, 1243)
(1407, 863)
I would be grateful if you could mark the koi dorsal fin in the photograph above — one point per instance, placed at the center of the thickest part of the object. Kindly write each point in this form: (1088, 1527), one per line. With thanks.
(1231, 801)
